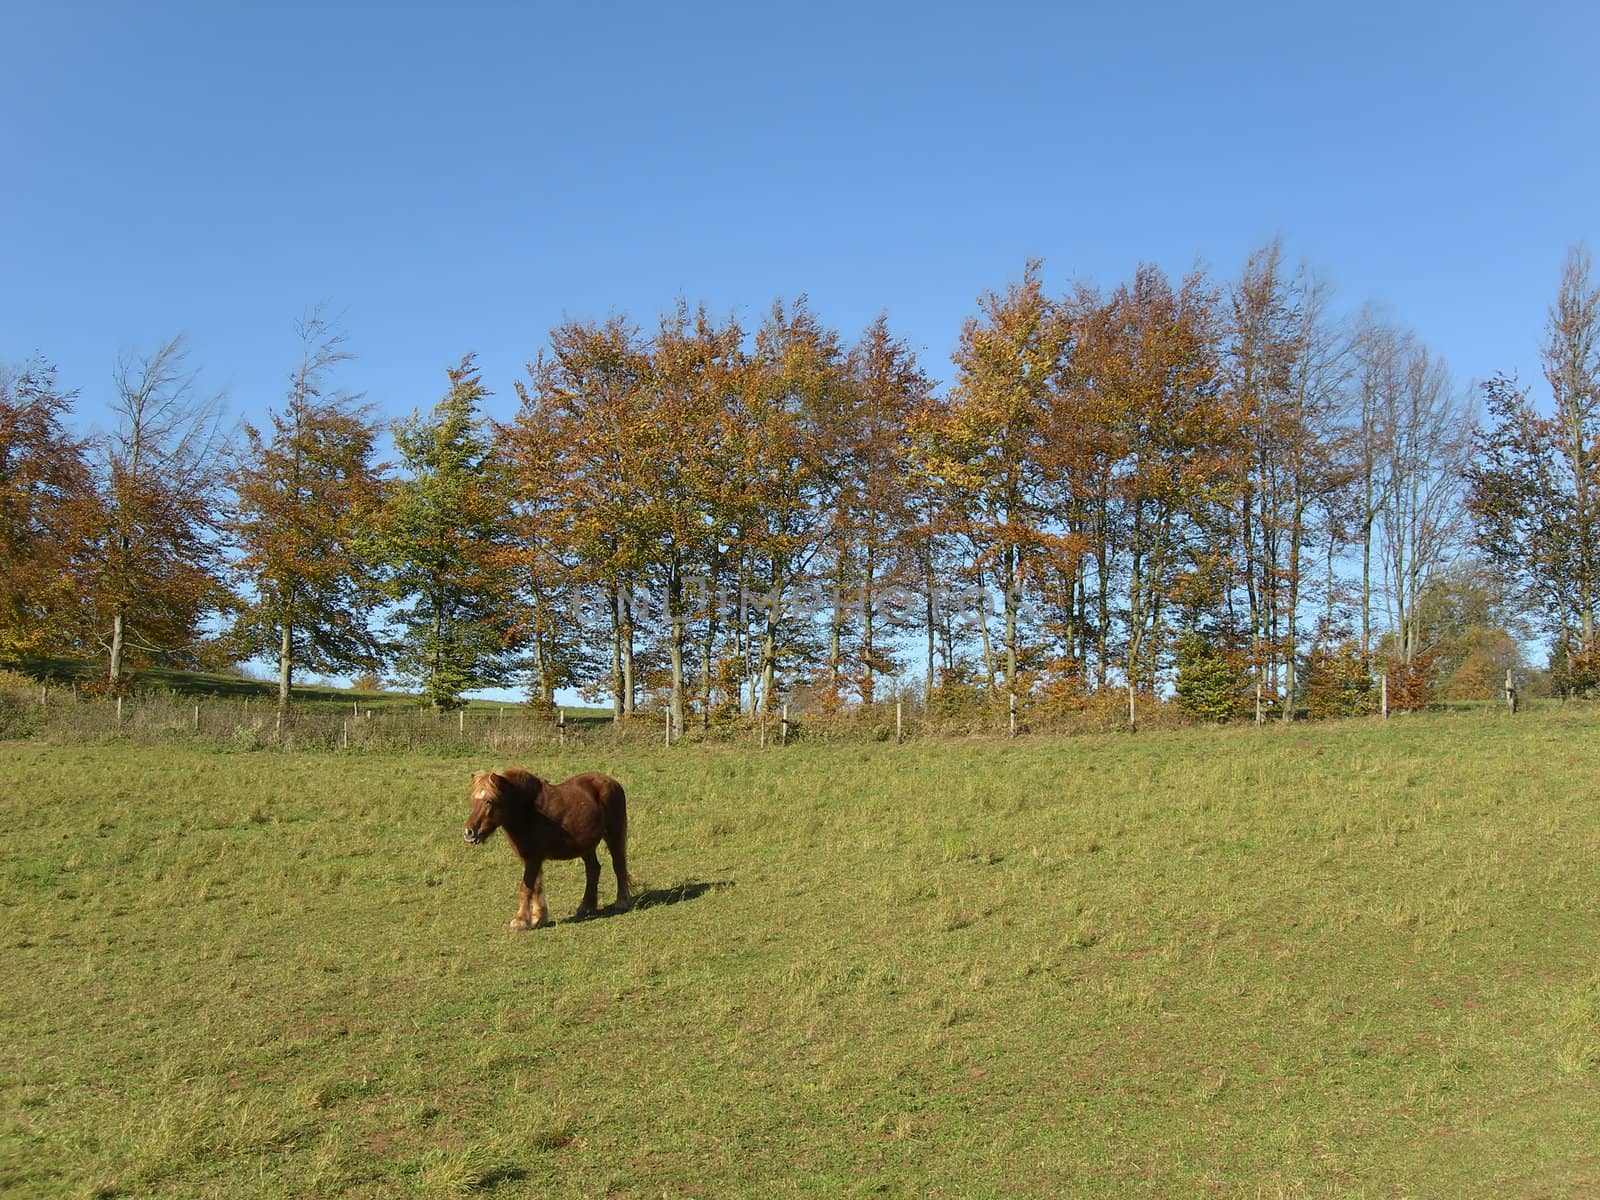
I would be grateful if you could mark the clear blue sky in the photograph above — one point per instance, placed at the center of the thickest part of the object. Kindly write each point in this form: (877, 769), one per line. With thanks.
(460, 177)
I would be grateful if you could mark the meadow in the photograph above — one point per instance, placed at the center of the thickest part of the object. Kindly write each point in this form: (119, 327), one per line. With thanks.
(1349, 959)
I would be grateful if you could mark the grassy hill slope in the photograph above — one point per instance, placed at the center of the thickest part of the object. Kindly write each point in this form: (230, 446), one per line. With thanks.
(1350, 959)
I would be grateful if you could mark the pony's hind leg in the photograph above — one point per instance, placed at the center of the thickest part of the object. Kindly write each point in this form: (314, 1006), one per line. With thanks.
(616, 838)
(617, 843)
(591, 884)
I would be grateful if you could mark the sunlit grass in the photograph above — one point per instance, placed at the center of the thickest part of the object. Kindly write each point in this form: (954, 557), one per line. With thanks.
(1354, 959)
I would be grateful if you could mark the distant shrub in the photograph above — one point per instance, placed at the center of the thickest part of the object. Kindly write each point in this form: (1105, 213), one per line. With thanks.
(1411, 685)
(245, 737)
(1487, 654)
(19, 704)
(1574, 669)
(956, 695)
(99, 687)
(1213, 681)
(1338, 682)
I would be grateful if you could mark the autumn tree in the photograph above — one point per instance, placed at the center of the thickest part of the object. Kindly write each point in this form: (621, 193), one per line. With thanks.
(48, 511)
(860, 426)
(726, 455)
(306, 495)
(1153, 365)
(1284, 371)
(876, 504)
(928, 554)
(678, 519)
(1263, 345)
(1086, 442)
(441, 540)
(157, 567)
(1571, 360)
(985, 450)
(1423, 434)
(1535, 495)
(572, 453)
(799, 378)
(1409, 442)
(1473, 631)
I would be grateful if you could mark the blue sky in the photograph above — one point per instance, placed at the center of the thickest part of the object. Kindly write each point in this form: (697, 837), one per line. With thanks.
(459, 178)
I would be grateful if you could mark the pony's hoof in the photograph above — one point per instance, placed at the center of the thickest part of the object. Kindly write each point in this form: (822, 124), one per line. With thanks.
(518, 924)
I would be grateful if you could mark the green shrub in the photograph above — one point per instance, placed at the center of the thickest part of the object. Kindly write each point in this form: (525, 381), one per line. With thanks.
(1213, 682)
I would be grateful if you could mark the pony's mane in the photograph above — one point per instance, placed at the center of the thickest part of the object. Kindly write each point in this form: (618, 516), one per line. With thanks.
(523, 784)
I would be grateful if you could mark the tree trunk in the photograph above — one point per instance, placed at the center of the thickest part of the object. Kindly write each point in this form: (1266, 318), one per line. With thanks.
(614, 600)
(116, 647)
(836, 635)
(1012, 567)
(285, 665)
(984, 606)
(627, 655)
(769, 670)
(1292, 604)
(769, 639)
(708, 645)
(866, 626)
(675, 649)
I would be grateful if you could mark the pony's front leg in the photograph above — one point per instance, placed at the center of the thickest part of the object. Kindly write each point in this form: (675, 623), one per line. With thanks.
(531, 912)
(591, 885)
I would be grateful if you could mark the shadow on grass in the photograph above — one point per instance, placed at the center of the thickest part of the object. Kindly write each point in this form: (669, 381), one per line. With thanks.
(678, 893)
(657, 898)
(500, 1175)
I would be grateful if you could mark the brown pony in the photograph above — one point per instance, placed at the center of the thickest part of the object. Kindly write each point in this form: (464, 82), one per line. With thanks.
(552, 820)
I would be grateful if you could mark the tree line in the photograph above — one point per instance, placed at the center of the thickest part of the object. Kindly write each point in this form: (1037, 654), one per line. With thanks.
(1222, 489)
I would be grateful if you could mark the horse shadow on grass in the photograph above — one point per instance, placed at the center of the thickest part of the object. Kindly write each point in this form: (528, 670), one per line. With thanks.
(492, 1180)
(659, 898)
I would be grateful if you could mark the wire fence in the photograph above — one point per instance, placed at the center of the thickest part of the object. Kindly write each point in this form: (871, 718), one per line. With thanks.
(227, 723)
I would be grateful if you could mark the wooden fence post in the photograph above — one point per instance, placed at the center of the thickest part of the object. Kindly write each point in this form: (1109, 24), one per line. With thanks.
(669, 726)
(899, 724)
(1011, 704)
(197, 718)
(345, 736)
(1383, 696)
(785, 725)
(561, 726)
(1511, 694)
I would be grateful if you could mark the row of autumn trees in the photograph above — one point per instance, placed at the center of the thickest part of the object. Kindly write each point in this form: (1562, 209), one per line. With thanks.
(1223, 487)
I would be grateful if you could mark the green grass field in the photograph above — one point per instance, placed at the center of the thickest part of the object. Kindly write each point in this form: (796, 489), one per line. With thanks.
(1354, 959)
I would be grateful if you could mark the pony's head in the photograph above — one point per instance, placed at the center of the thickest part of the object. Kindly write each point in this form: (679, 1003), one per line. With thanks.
(487, 798)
